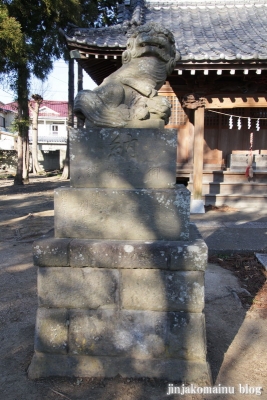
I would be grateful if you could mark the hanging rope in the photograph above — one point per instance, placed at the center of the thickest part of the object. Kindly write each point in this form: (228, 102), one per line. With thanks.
(236, 116)
(239, 118)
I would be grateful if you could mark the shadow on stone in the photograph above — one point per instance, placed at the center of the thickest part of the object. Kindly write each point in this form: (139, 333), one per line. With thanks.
(129, 300)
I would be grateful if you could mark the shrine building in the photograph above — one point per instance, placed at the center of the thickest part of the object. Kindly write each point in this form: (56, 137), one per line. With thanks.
(217, 89)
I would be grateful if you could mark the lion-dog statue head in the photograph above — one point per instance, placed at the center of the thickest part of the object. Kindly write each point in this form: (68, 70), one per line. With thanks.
(129, 96)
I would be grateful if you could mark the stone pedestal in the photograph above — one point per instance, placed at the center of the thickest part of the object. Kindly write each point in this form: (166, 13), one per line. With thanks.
(121, 286)
(239, 162)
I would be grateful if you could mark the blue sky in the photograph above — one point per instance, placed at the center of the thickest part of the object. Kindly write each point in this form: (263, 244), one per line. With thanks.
(55, 88)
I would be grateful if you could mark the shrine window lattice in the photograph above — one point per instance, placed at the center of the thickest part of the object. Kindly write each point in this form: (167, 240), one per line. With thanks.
(178, 116)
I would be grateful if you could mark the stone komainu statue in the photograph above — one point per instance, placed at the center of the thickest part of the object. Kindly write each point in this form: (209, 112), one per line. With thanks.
(129, 96)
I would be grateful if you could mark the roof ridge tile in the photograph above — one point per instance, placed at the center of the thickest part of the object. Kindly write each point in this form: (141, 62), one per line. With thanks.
(234, 28)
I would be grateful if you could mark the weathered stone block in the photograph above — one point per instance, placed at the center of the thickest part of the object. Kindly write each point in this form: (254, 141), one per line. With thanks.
(51, 331)
(147, 214)
(77, 288)
(139, 334)
(44, 365)
(123, 158)
(172, 255)
(120, 254)
(152, 289)
(51, 252)
(195, 253)
(187, 335)
(122, 333)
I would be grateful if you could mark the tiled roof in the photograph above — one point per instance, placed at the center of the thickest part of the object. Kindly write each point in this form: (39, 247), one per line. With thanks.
(204, 30)
(50, 139)
(9, 107)
(59, 108)
(113, 36)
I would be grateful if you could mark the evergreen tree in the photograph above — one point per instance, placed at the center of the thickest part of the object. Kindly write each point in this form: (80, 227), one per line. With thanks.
(30, 42)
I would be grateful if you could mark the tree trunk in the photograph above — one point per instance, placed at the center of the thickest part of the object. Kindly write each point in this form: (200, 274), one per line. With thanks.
(36, 168)
(71, 93)
(35, 165)
(22, 174)
(18, 177)
(66, 169)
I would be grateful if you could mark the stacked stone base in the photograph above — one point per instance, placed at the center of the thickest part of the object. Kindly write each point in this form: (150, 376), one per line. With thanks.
(121, 286)
(132, 308)
(173, 370)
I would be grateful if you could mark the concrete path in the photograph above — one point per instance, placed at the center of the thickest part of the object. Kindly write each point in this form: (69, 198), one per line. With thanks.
(233, 231)
(236, 339)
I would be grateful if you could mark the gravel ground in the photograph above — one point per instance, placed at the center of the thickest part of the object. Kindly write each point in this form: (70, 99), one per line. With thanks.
(236, 321)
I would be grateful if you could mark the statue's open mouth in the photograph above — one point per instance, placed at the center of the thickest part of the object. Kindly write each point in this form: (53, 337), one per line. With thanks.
(154, 49)
(152, 44)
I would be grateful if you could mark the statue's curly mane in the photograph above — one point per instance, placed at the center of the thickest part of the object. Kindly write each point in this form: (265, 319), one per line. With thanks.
(150, 29)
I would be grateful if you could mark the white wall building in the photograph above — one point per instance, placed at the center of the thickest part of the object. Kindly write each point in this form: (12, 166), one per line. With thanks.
(52, 131)
(7, 139)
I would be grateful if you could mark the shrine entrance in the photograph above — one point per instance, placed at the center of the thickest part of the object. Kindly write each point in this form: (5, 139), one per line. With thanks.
(228, 126)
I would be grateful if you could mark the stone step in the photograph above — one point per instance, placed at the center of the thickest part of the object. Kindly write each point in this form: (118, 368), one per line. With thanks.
(224, 176)
(228, 188)
(232, 188)
(237, 201)
(234, 176)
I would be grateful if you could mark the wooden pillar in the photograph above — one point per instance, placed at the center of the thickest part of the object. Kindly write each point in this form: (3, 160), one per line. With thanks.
(195, 106)
(80, 121)
(198, 153)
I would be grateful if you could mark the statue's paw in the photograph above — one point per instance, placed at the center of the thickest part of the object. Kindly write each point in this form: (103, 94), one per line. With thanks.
(160, 106)
(141, 113)
(153, 93)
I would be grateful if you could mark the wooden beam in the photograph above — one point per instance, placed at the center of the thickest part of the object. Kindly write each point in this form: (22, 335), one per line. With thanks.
(224, 101)
(198, 153)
